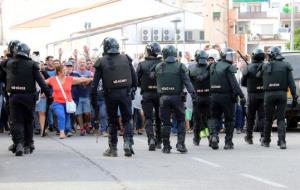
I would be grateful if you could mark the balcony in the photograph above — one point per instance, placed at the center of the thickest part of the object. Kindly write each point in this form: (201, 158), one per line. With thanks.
(265, 37)
(253, 15)
(287, 16)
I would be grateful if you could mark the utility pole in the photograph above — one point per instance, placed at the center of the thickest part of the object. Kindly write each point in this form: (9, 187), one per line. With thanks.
(292, 26)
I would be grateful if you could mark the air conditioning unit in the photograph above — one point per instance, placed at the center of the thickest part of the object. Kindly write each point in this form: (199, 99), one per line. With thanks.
(146, 34)
(179, 34)
(194, 35)
(156, 34)
(167, 35)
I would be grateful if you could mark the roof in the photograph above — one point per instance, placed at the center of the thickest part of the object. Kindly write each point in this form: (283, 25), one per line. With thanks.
(45, 21)
(114, 26)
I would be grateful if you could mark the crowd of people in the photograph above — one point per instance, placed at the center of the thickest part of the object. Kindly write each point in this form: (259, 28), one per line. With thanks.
(115, 95)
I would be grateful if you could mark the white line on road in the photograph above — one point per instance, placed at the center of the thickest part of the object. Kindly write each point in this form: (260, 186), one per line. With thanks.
(265, 181)
(206, 162)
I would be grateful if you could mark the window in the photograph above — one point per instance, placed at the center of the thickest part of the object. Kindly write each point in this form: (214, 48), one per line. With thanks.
(201, 35)
(188, 36)
(253, 8)
(216, 16)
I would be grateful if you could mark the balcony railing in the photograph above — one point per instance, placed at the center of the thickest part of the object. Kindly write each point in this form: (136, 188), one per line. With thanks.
(253, 15)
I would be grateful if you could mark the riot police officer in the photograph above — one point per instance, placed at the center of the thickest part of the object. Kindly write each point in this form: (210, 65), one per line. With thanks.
(171, 77)
(255, 94)
(150, 99)
(199, 75)
(21, 76)
(224, 92)
(277, 78)
(11, 46)
(119, 84)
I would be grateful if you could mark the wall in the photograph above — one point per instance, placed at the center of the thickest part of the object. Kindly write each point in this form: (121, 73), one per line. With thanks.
(235, 41)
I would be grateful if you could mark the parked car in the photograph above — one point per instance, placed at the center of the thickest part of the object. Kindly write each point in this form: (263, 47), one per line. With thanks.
(293, 115)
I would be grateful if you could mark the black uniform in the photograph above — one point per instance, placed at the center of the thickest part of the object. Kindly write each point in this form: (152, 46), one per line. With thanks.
(21, 76)
(171, 77)
(199, 75)
(277, 78)
(224, 92)
(119, 78)
(255, 104)
(150, 100)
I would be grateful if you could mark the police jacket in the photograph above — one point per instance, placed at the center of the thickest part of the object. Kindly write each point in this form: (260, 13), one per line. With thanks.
(21, 75)
(116, 71)
(277, 76)
(144, 68)
(222, 79)
(199, 75)
(171, 77)
(250, 80)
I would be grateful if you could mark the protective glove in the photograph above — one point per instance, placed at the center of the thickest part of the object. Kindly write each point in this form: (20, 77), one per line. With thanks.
(194, 97)
(295, 101)
(243, 101)
(132, 92)
(50, 100)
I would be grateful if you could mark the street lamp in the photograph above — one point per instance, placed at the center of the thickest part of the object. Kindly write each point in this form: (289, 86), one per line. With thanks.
(176, 21)
(87, 27)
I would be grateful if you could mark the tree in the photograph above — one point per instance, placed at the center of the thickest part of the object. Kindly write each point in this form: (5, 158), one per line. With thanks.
(296, 40)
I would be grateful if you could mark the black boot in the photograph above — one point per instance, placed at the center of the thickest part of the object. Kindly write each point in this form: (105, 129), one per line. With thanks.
(112, 151)
(248, 139)
(167, 147)
(152, 144)
(180, 146)
(213, 136)
(214, 142)
(196, 130)
(228, 145)
(266, 142)
(281, 144)
(12, 148)
(229, 129)
(128, 150)
(281, 134)
(196, 141)
(158, 144)
(29, 149)
(19, 149)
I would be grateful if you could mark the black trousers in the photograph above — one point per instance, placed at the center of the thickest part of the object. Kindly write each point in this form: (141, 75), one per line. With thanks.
(114, 99)
(255, 106)
(200, 115)
(222, 104)
(150, 103)
(21, 113)
(275, 107)
(172, 104)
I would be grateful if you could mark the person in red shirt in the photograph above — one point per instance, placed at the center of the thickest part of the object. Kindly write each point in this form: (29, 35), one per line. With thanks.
(59, 103)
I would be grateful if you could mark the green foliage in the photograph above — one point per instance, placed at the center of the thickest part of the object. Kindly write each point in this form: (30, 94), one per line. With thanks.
(296, 40)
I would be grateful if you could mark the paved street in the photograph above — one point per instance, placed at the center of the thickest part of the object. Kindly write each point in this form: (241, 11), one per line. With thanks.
(77, 163)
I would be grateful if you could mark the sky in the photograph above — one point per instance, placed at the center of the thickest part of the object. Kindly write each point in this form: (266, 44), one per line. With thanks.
(18, 11)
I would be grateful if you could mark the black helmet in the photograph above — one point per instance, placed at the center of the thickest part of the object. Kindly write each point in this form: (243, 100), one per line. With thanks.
(201, 57)
(228, 54)
(169, 53)
(12, 45)
(22, 49)
(274, 53)
(258, 55)
(152, 49)
(110, 46)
